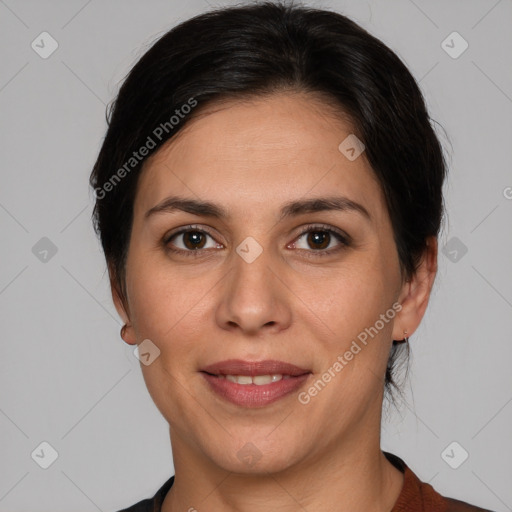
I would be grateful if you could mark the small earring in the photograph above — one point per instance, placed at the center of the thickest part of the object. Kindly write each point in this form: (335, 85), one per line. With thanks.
(406, 339)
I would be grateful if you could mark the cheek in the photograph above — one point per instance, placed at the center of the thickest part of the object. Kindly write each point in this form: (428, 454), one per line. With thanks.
(362, 337)
(166, 310)
(353, 297)
(154, 303)
(167, 306)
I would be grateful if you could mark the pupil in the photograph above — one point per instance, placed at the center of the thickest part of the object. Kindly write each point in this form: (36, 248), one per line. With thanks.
(194, 238)
(318, 236)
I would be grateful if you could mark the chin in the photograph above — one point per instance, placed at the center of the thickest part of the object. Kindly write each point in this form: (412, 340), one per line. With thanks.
(255, 455)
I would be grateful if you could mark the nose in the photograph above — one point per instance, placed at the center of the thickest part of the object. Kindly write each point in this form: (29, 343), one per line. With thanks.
(254, 300)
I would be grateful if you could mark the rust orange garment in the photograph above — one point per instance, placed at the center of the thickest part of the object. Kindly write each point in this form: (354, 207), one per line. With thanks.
(416, 496)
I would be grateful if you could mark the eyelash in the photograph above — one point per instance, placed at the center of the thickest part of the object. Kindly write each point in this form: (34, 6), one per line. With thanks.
(341, 237)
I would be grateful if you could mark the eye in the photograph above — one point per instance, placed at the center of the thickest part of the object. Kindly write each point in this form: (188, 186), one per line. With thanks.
(321, 238)
(192, 241)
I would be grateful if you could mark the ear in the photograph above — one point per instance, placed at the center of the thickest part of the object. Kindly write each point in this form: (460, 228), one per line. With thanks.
(415, 293)
(120, 302)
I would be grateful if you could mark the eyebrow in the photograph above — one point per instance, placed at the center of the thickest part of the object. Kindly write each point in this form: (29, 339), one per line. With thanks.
(291, 209)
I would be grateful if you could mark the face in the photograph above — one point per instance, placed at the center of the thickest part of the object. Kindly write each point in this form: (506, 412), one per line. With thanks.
(264, 282)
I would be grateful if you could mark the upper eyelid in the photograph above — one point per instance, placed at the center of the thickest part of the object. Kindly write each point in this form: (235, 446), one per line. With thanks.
(184, 229)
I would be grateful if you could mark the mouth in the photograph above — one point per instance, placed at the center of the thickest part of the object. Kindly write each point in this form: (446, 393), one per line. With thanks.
(254, 383)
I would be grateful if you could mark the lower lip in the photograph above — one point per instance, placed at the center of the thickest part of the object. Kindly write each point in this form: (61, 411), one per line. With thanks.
(252, 395)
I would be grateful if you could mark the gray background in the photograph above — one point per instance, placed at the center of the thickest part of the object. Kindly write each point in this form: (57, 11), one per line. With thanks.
(67, 378)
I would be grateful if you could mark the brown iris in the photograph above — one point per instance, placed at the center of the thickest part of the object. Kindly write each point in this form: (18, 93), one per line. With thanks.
(194, 238)
(319, 237)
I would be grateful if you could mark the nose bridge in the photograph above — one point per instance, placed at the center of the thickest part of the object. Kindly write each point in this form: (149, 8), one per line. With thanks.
(251, 274)
(252, 297)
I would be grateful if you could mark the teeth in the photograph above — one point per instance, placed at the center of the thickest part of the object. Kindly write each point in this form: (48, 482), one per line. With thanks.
(259, 380)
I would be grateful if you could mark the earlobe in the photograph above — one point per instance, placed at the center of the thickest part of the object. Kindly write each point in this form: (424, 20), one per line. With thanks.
(127, 334)
(416, 293)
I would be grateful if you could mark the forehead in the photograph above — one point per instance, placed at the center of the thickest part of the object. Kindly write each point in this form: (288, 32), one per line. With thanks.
(252, 152)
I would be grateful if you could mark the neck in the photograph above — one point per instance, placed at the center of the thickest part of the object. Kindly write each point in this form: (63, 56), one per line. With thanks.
(348, 477)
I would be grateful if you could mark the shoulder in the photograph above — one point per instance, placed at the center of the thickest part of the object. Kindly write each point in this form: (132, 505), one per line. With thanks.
(418, 495)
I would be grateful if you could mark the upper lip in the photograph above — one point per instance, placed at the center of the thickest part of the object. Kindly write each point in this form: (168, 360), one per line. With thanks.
(253, 368)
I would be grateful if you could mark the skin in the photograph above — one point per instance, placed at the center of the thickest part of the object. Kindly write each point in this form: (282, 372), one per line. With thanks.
(251, 157)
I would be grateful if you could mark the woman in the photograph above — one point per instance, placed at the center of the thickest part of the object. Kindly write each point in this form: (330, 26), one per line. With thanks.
(268, 196)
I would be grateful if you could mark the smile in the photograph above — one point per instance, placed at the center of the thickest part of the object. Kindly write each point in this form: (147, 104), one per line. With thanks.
(249, 386)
